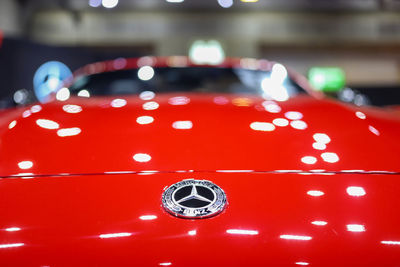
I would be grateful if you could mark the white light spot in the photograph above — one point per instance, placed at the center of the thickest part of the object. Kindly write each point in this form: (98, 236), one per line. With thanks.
(330, 157)
(47, 124)
(319, 146)
(299, 125)
(36, 108)
(14, 245)
(319, 223)
(146, 73)
(109, 3)
(72, 108)
(373, 130)
(147, 95)
(24, 165)
(355, 228)
(294, 115)
(241, 232)
(278, 73)
(68, 132)
(315, 193)
(355, 191)
(142, 157)
(63, 94)
(115, 235)
(13, 229)
(182, 125)
(225, 3)
(321, 138)
(274, 89)
(192, 232)
(152, 105)
(84, 93)
(271, 107)
(280, 122)
(26, 114)
(148, 217)
(389, 242)
(303, 263)
(179, 100)
(296, 237)
(12, 124)
(166, 263)
(262, 126)
(118, 103)
(361, 115)
(309, 160)
(144, 119)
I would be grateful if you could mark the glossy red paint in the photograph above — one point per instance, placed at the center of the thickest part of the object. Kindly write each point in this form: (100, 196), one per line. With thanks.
(312, 182)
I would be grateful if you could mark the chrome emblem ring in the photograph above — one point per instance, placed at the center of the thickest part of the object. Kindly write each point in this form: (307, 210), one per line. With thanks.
(194, 199)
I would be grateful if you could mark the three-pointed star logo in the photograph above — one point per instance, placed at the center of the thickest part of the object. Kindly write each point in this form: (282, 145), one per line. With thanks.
(194, 195)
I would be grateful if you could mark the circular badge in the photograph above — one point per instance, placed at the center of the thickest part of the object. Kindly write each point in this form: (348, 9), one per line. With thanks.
(194, 199)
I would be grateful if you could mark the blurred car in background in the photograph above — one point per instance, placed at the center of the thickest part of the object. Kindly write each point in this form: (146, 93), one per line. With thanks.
(162, 162)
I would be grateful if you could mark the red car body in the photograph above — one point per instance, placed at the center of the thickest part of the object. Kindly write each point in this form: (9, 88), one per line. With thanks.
(72, 193)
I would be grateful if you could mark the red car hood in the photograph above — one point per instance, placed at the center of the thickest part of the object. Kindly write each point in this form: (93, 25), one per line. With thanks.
(94, 176)
(196, 132)
(271, 220)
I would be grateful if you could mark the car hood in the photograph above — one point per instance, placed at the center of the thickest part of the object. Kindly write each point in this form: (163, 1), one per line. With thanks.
(196, 132)
(272, 219)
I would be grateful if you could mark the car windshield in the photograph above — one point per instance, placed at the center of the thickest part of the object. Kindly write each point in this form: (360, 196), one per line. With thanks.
(276, 85)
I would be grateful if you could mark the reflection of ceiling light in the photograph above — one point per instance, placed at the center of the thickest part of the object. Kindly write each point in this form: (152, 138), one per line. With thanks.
(321, 138)
(24, 165)
(47, 124)
(242, 232)
(147, 95)
(118, 103)
(355, 191)
(115, 235)
(182, 125)
(309, 160)
(294, 115)
(175, 1)
(303, 263)
(144, 120)
(13, 229)
(296, 237)
(63, 94)
(319, 223)
(330, 157)
(142, 157)
(192, 232)
(262, 126)
(12, 124)
(68, 132)
(84, 93)
(355, 228)
(315, 193)
(14, 245)
(148, 217)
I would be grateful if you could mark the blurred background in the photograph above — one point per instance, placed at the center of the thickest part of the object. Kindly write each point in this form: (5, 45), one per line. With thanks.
(353, 44)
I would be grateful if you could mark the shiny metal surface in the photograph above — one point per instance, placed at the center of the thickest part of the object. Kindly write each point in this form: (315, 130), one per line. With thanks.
(310, 182)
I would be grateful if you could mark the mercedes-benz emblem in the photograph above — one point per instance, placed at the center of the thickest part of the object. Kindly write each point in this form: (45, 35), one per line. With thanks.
(194, 199)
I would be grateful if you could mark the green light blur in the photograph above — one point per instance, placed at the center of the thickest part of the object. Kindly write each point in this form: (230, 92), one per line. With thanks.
(327, 79)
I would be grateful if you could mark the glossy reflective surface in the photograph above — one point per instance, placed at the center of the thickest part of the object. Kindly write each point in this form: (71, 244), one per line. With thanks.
(98, 135)
(118, 220)
(308, 181)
